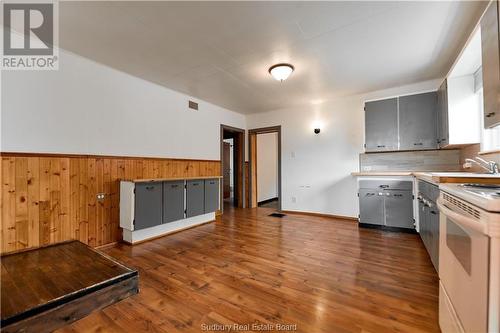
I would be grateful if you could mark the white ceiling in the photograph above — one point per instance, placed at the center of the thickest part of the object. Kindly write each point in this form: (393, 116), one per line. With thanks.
(220, 51)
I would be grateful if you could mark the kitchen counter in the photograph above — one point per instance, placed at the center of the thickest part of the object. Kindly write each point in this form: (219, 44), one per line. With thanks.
(382, 173)
(169, 179)
(437, 177)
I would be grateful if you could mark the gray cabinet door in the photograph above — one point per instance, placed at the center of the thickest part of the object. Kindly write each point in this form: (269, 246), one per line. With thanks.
(371, 206)
(417, 121)
(443, 136)
(173, 201)
(491, 65)
(148, 205)
(195, 197)
(211, 195)
(434, 235)
(398, 209)
(381, 125)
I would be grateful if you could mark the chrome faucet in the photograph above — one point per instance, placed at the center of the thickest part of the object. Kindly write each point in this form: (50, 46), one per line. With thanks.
(490, 166)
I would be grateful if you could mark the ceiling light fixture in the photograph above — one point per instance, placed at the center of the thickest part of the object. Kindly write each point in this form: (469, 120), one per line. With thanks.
(281, 72)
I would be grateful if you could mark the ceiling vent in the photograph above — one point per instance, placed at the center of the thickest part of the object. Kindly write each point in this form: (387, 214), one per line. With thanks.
(193, 105)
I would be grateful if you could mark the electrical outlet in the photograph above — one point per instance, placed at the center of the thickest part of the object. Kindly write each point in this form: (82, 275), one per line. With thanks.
(294, 199)
(101, 196)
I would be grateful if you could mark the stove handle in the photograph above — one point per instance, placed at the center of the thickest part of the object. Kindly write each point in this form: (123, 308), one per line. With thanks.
(463, 220)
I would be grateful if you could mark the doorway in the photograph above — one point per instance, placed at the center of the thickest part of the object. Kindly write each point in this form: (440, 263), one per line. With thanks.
(232, 151)
(264, 146)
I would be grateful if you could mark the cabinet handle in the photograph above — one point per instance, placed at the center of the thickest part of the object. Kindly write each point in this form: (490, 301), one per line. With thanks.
(384, 186)
(174, 186)
(418, 144)
(380, 146)
(398, 195)
(150, 187)
(491, 114)
(433, 212)
(196, 184)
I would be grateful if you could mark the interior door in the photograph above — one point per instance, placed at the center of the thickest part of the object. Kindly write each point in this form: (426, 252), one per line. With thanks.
(226, 169)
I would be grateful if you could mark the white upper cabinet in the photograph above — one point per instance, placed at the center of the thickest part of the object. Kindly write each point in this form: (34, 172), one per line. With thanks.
(459, 99)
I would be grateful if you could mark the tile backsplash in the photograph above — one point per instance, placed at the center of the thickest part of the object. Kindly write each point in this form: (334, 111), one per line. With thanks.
(428, 160)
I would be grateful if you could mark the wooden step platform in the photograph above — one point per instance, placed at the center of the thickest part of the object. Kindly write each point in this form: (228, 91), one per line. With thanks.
(46, 288)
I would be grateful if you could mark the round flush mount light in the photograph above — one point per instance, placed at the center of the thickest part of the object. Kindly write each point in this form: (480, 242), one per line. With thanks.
(281, 72)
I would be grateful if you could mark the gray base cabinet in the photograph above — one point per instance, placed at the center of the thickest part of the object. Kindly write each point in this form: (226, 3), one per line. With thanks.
(211, 195)
(386, 203)
(429, 219)
(148, 205)
(195, 197)
(399, 209)
(173, 201)
(371, 206)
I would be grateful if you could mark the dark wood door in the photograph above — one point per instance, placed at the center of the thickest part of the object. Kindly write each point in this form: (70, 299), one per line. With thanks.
(226, 156)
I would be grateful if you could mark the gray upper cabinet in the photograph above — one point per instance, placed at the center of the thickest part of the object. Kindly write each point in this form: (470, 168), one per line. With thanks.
(417, 121)
(211, 195)
(195, 197)
(173, 201)
(491, 65)
(381, 125)
(148, 205)
(443, 135)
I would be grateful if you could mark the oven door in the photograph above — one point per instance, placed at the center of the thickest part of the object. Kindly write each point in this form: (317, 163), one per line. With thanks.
(463, 266)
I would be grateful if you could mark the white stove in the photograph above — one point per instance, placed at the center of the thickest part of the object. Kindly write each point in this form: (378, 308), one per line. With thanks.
(469, 257)
(485, 196)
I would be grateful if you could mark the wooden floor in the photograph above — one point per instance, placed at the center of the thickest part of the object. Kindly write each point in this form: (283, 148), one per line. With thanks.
(319, 274)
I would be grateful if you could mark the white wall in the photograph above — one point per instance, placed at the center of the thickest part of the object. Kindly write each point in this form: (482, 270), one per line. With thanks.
(88, 108)
(267, 166)
(316, 168)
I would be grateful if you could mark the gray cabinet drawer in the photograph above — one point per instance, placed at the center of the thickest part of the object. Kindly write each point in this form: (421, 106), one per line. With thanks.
(399, 209)
(417, 121)
(173, 201)
(381, 125)
(148, 205)
(211, 195)
(195, 197)
(371, 207)
(386, 184)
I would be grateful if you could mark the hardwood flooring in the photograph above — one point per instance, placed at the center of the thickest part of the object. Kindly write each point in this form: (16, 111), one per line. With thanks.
(320, 274)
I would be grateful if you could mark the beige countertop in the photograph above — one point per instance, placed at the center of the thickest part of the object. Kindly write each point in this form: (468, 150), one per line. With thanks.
(169, 179)
(437, 177)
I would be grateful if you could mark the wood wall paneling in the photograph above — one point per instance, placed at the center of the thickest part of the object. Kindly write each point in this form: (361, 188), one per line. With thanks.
(47, 199)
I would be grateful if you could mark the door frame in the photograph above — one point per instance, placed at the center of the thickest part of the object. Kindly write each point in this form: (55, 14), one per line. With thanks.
(238, 164)
(252, 163)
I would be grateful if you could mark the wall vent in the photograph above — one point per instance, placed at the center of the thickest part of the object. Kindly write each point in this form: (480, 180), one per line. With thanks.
(193, 105)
